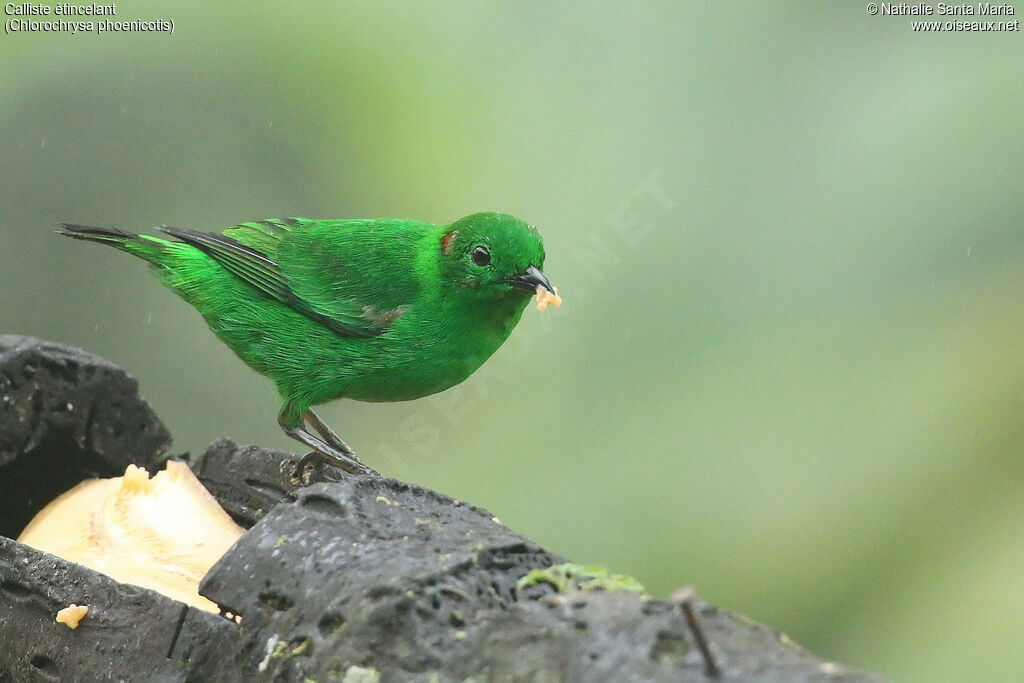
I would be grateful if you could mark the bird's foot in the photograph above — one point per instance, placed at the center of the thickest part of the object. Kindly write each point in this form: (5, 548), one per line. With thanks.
(308, 468)
(310, 462)
(327, 446)
(330, 437)
(325, 453)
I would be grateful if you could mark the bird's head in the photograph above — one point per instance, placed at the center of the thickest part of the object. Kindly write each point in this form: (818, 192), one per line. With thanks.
(495, 254)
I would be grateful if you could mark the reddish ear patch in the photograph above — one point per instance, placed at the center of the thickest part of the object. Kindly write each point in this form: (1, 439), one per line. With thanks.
(446, 241)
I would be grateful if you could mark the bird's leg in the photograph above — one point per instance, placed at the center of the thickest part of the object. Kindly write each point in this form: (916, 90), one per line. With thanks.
(329, 436)
(291, 423)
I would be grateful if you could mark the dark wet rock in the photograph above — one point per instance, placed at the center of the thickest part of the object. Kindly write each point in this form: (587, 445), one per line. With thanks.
(65, 416)
(339, 578)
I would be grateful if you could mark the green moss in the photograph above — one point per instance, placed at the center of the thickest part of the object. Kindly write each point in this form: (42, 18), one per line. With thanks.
(294, 649)
(573, 577)
(358, 674)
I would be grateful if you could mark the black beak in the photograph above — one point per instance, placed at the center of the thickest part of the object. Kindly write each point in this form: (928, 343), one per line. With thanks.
(528, 280)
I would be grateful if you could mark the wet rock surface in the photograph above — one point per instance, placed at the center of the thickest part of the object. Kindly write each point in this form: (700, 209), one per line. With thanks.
(339, 578)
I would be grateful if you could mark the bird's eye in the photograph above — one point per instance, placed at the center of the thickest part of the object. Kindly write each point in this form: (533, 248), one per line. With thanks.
(481, 256)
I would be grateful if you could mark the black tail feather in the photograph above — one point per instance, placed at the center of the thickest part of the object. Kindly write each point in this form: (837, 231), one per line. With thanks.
(95, 233)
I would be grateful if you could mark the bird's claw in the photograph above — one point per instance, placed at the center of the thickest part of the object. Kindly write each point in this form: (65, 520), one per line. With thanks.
(309, 467)
(346, 462)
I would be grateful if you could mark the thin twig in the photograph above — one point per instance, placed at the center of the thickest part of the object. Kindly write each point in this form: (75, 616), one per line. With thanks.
(684, 596)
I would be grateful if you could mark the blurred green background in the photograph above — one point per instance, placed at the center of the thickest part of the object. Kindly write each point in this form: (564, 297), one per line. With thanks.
(788, 369)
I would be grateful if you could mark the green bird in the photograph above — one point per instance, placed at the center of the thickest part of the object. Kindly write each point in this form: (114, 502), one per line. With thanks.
(372, 310)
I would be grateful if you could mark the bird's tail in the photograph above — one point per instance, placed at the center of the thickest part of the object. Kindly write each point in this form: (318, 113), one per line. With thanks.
(143, 246)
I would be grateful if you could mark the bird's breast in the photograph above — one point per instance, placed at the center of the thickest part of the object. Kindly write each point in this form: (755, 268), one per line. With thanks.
(422, 355)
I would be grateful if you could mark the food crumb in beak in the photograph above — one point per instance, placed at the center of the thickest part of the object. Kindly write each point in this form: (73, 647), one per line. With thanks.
(545, 298)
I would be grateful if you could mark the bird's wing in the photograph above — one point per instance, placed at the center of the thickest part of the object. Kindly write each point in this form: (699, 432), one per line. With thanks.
(365, 272)
(251, 251)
